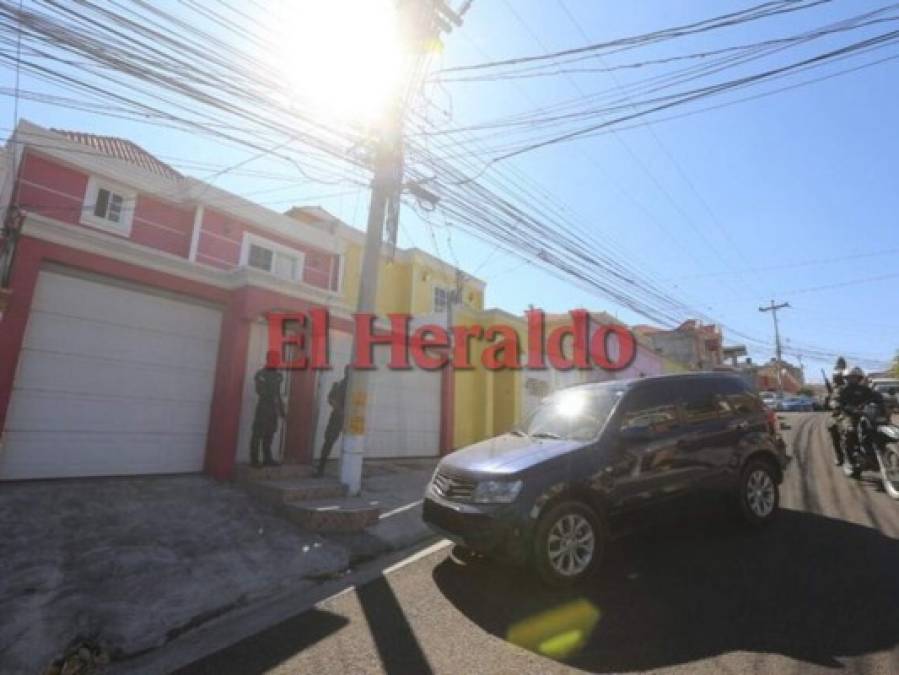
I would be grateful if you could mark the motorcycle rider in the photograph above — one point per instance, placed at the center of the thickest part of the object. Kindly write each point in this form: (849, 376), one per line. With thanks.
(853, 397)
(838, 380)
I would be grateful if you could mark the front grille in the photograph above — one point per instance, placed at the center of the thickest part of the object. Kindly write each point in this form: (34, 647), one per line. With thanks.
(452, 488)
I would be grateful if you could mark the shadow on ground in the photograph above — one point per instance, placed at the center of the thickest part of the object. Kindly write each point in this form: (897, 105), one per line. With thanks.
(694, 587)
(395, 642)
(267, 649)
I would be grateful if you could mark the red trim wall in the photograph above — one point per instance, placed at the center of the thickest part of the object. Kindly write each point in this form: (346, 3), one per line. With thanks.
(227, 393)
(58, 191)
(12, 326)
(51, 189)
(240, 308)
(162, 226)
(221, 237)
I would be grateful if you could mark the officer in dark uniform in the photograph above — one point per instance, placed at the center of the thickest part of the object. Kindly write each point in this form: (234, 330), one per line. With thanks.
(336, 399)
(854, 396)
(834, 425)
(269, 408)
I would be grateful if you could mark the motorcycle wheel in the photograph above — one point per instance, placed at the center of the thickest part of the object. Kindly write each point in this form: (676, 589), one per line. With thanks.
(888, 459)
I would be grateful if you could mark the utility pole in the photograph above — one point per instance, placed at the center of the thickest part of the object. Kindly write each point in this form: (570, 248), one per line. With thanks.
(426, 20)
(773, 309)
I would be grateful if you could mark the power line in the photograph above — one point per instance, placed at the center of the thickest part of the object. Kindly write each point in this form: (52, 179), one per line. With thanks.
(690, 96)
(762, 11)
(528, 122)
(671, 159)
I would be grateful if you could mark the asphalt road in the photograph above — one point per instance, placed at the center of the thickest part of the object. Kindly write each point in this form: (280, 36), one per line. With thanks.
(817, 590)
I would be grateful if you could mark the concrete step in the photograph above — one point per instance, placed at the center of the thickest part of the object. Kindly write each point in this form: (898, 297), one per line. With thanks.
(293, 490)
(245, 473)
(352, 514)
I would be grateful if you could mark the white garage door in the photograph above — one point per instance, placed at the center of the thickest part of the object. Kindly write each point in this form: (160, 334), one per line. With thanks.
(403, 415)
(111, 380)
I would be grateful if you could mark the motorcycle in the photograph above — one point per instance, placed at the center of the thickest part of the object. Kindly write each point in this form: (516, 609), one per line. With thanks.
(876, 448)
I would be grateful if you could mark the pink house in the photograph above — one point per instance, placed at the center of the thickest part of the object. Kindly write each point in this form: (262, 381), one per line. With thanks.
(134, 307)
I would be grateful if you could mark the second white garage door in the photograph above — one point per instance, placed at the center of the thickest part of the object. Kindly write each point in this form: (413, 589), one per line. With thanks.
(111, 380)
(403, 417)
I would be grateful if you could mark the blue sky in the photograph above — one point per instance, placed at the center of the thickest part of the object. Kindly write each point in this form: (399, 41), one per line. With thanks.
(726, 209)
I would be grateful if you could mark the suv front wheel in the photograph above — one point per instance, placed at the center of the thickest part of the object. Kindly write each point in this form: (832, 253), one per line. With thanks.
(758, 492)
(569, 543)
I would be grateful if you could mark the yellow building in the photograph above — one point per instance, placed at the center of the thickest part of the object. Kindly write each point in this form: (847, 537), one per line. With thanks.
(410, 280)
(485, 402)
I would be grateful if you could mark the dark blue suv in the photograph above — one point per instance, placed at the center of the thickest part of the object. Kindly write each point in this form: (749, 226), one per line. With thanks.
(551, 492)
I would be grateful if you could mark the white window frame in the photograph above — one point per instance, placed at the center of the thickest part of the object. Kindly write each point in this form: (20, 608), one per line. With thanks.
(275, 247)
(129, 200)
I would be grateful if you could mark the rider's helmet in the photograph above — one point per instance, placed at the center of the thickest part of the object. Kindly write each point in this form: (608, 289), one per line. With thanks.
(856, 375)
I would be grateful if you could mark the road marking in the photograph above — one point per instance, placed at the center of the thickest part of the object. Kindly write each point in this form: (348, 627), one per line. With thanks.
(400, 509)
(415, 557)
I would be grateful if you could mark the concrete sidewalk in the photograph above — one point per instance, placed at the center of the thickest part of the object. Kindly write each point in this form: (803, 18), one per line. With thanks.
(397, 486)
(135, 563)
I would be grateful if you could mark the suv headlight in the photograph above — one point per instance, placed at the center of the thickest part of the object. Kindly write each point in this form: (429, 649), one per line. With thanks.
(496, 491)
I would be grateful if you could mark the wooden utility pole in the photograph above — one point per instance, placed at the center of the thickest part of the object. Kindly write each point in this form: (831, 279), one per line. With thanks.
(773, 309)
(424, 20)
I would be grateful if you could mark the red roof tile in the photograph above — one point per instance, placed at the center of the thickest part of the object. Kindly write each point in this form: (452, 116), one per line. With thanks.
(123, 149)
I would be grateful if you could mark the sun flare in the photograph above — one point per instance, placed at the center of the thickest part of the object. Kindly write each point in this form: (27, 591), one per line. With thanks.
(344, 57)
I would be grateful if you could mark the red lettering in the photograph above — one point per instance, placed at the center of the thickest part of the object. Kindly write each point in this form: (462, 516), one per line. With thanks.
(320, 358)
(278, 340)
(578, 332)
(366, 338)
(535, 339)
(427, 337)
(461, 345)
(599, 347)
(503, 354)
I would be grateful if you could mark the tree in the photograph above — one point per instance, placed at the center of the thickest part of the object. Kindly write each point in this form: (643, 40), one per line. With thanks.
(894, 369)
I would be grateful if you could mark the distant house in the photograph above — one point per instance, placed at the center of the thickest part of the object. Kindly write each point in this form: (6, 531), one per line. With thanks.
(696, 345)
(791, 377)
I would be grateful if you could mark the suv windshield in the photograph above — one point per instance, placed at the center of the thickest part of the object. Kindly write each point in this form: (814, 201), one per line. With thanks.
(576, 414)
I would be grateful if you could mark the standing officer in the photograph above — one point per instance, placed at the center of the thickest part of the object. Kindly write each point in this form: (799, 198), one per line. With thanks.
(336, 399)
(269, 408)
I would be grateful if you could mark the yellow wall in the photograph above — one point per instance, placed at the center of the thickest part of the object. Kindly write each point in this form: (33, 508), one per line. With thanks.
(409, 287)
(486, 403)
(404, 286)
